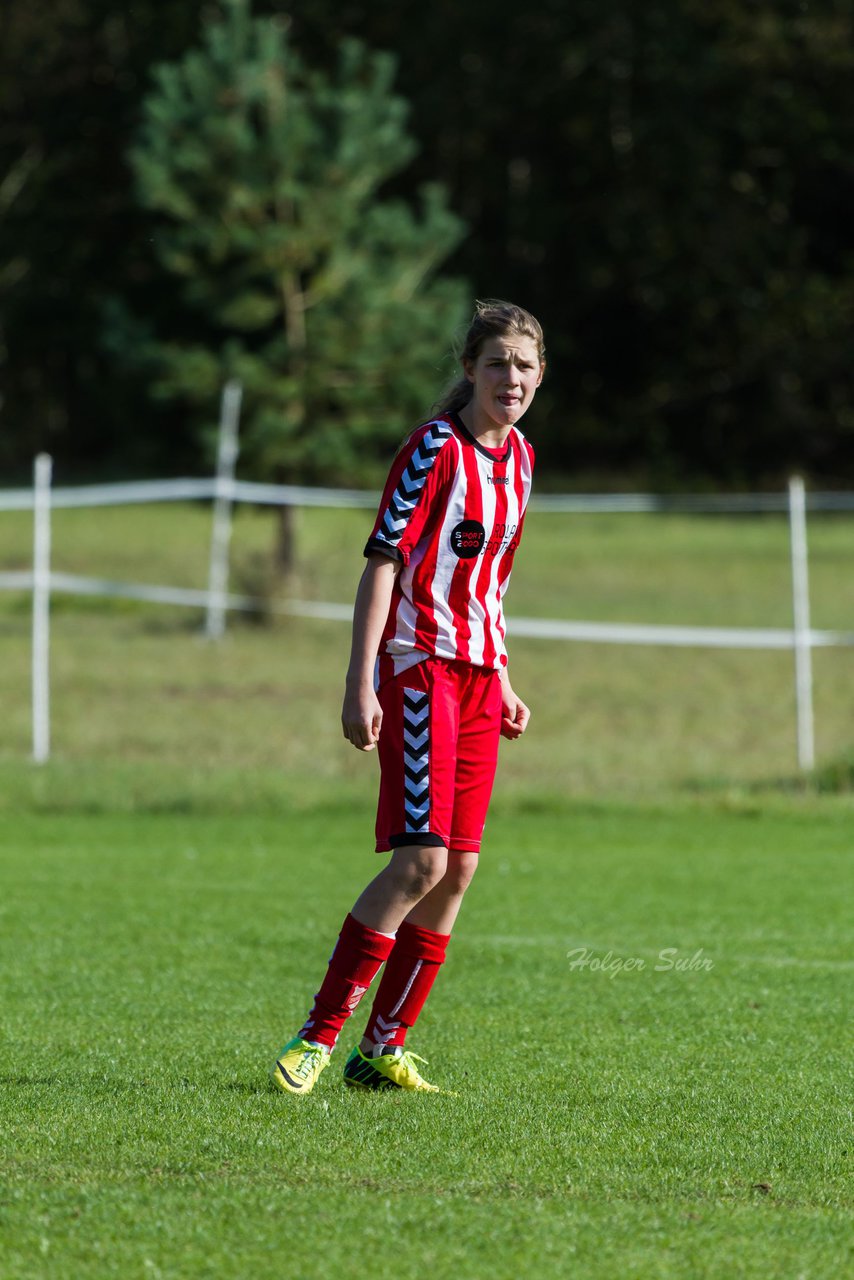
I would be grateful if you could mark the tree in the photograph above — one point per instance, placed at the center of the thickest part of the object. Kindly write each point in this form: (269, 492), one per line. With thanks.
(294, 274)
(670, 187)
(70, 85)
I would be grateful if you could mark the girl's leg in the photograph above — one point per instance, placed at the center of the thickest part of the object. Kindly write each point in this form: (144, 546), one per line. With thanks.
(416, 958)
(470, 755)
(367, 937)
(413, 872)
(439, 908)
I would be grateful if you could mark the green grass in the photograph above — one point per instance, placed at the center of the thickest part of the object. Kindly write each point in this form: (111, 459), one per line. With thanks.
(137, 684)
(173, 880)
(653, 1123)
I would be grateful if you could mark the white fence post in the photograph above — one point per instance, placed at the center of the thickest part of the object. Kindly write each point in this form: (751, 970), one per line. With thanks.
(226, 460)
(41, 608)
(802, 625)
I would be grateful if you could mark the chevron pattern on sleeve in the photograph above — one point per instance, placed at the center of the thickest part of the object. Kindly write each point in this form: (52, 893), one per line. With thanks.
(406, 495)
(416, 759)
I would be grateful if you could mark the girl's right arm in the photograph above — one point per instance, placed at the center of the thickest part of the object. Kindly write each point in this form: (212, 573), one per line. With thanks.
(362, 715)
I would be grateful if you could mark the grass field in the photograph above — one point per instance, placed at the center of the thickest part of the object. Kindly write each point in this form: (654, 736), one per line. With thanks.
(643, 1015)
(638, 1123)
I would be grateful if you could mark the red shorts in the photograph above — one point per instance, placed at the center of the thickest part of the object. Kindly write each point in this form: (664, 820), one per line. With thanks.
(438, 749)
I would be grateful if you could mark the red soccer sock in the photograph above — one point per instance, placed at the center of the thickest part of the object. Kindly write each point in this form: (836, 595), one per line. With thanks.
(353, 965)
(409, 975)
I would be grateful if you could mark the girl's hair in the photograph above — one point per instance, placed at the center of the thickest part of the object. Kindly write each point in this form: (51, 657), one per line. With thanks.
(492, 319)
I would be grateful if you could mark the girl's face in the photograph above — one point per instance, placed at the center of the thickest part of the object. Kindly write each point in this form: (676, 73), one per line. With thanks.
(505, 376)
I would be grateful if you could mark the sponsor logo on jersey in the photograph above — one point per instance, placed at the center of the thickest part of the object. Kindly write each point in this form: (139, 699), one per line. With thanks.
(497, 479)
(467, 539)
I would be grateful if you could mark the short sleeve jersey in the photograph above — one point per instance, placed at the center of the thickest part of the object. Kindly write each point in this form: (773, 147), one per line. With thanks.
(452, 511)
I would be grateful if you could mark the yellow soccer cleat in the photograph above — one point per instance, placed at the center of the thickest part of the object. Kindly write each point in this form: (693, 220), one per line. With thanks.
(388, 1071)
(298, 1065)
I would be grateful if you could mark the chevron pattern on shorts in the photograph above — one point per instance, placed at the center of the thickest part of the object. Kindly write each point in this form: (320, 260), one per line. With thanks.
(416, 759)
(403, 500)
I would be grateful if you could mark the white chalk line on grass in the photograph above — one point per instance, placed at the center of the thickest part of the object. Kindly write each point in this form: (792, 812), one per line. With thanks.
(792, 962)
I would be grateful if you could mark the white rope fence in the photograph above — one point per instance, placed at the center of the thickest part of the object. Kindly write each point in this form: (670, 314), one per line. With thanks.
(192, 489)
(224, 490)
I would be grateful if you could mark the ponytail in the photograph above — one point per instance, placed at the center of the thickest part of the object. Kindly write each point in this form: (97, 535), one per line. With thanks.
(455, 398)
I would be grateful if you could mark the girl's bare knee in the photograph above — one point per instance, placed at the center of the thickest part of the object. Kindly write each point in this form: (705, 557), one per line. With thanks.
(418, 869)
(462, 864)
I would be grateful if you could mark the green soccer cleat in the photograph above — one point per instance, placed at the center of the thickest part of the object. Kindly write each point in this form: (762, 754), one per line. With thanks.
(388, 1071)
(298, 1065)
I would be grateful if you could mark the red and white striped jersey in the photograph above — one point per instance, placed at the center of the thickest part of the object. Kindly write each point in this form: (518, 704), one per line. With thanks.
(452, 511)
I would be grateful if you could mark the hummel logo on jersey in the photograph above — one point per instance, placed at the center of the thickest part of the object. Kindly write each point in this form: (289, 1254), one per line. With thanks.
(497, 479)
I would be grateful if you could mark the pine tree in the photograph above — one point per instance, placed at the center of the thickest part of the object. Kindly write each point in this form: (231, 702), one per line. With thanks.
(294, 274)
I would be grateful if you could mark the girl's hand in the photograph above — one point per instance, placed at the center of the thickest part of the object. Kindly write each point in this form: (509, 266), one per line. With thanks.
(361, 718)
(514, 714)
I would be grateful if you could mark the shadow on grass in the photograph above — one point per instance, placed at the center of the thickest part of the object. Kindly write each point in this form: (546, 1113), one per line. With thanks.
(249, 1089)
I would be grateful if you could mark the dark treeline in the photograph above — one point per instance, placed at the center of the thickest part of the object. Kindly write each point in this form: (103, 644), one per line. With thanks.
(669, 186)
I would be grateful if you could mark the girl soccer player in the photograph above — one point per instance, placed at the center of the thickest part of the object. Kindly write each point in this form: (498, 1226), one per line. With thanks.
(428, 687)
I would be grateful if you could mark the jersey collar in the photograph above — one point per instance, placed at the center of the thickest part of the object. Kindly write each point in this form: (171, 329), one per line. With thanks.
(487, 453)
